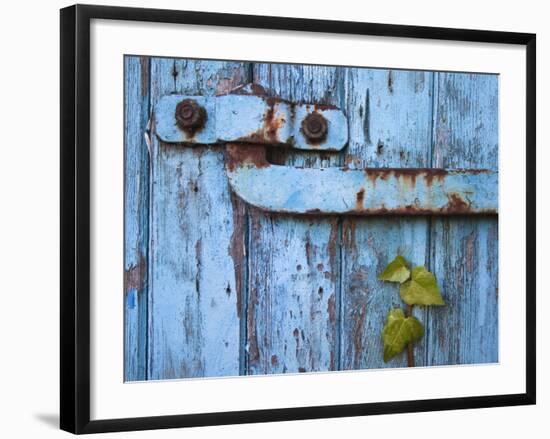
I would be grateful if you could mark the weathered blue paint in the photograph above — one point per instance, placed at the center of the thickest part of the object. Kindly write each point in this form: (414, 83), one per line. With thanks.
(194, 301)
(251, 119)
(391, 126)
(235, 290)
(464, 251)
(398, 191)
(136, 216)
(294, 262)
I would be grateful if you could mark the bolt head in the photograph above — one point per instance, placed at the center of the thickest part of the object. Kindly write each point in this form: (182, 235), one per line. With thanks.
(190, 116)
(315, 127)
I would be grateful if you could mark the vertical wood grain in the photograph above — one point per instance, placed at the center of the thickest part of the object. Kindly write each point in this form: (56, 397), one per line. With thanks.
(294, 262)
(390, 117)
(216, 288)
(136, 216)
(194, 327)
(465, 250)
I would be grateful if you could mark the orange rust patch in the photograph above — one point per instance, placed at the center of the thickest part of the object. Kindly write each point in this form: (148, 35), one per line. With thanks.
(134, 277)
(406, 174)
(323, 107)
(272, 124)
(359, 203)
(456, 204)
(237, 155)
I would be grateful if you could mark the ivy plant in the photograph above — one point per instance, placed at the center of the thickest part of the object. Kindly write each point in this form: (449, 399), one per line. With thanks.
(416, 287)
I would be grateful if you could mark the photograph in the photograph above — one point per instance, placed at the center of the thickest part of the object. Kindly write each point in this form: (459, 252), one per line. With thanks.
(274, 220)
(307, 218)
(295, 218)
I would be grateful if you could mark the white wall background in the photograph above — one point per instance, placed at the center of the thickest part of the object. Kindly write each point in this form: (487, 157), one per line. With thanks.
(29, 206)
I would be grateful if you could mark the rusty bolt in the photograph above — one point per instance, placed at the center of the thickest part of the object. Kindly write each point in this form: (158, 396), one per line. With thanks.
(190, 116)
(315, 127)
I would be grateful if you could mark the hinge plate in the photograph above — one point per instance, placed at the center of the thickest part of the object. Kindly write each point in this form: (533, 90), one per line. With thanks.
(247, 121)
(254, 119)
(369, 191)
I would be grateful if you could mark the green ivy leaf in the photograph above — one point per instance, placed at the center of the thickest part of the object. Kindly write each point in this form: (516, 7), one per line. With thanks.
(422, 289)
(396, 271)
(398, 332)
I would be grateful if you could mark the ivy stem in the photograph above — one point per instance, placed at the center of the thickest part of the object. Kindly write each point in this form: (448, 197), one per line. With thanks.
(410, 351)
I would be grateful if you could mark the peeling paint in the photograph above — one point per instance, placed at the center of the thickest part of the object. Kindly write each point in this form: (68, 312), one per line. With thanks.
(372, 191)
(237, 248)
(135, 276)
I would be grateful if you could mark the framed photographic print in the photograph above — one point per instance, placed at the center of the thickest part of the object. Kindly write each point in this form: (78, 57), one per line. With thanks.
(304, 218)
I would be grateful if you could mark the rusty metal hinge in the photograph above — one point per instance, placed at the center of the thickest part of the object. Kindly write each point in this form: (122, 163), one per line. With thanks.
(250, 118)
(248, 121)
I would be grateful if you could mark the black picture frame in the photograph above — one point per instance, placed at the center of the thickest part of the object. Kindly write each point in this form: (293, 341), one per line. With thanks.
(75, 217)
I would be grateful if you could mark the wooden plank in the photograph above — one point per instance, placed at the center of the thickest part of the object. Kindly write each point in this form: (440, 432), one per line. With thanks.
(464, 251)
(390, 117)
(294, 262)
(136, 216)
(197, 240)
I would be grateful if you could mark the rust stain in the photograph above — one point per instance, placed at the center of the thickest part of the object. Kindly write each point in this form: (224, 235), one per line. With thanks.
(253, 350)
(135, 276)
(332, 244)
(360, 199)
(144, 63)
(199, 150)
(408, 175)
(224, 86)
(269, 132)
(236, 247)
(358, 326)
(456, 204)
(190, 117)
(308, 250)
(274, 360)
(314, 127)
(272, 124)
(229, 85)
(238, 155)
(349, 233)
(331, 309)
(323, 107)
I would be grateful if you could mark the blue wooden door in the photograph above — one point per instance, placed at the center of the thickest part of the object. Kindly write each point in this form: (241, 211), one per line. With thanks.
(215, 287)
